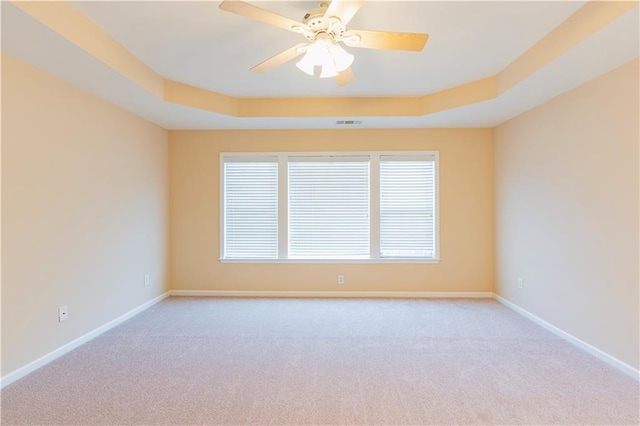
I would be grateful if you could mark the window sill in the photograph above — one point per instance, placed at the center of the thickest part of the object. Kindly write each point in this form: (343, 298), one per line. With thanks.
(389, 260)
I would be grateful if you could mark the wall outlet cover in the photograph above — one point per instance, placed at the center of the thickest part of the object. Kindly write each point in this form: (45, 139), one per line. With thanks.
(63, 313)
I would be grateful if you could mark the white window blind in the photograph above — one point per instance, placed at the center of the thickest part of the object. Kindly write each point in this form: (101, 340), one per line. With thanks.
(328, 207)
(407, 206)
(324, 207)
(250, 208)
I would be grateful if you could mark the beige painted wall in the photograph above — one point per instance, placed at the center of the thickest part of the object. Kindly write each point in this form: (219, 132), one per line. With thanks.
(466, 207)
(84, 212)
(567, 212)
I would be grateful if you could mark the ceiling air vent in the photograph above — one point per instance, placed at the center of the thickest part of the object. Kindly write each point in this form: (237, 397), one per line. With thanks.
(349, 122)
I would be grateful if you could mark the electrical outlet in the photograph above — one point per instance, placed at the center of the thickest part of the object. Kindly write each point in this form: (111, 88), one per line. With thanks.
(340, 279)
(146, 280)
(63, 313)
(521, 283)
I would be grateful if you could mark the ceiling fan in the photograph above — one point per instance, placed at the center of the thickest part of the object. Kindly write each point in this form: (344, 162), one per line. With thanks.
(325, 30)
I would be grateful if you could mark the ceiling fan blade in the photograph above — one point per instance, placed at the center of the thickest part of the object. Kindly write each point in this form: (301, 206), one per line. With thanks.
(389, 41)
(279, 59)
(250, 11)
(345, 77)
(343, 9)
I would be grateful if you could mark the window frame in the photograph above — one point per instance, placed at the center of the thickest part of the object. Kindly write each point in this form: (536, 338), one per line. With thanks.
(374, 200)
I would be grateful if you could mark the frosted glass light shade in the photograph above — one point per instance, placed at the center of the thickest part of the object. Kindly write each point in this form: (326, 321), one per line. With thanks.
(315, 56)
(326, 54)
(307, 65)
(328, 68)
(341, 57)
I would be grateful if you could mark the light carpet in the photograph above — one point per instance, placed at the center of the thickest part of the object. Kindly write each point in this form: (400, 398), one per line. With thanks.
(324, 361)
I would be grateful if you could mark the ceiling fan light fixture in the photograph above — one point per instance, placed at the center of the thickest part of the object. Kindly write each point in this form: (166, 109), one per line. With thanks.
(306, 65)
(329, 69)
(341, 57)
(316, 55)
(327, 54)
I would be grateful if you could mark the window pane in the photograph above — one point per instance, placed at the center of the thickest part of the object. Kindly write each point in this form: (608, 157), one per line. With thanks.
(407, 207)
(251, 209)
(329, 208)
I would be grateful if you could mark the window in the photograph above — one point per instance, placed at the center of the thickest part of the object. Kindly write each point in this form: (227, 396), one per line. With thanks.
(250, 208)
(329, 207)
(407, 207)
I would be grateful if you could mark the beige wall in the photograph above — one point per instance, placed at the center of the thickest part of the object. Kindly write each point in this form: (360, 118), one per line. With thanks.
(466, 212)
(567, 212)
(84, 212)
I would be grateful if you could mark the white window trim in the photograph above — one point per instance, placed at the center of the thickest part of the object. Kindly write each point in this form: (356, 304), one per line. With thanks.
(374, 197)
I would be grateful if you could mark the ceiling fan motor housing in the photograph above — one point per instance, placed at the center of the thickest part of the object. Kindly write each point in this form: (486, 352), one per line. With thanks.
(317, 21)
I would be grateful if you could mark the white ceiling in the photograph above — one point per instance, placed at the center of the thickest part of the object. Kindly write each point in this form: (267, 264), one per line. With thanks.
(198, 44)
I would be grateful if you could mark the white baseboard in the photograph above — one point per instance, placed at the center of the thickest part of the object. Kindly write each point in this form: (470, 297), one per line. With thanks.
(40, 362)
(603, 356)
(32, 366)
(334, 294)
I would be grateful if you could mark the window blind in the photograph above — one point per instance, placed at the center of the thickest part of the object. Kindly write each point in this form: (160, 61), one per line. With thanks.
(251, 208)
(407, 206)
(328, 207)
